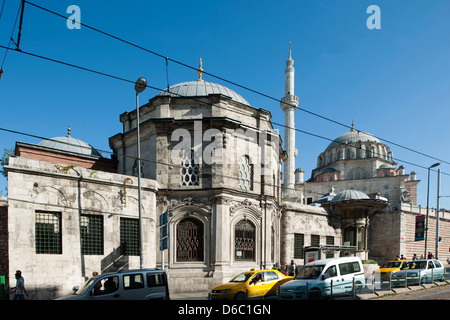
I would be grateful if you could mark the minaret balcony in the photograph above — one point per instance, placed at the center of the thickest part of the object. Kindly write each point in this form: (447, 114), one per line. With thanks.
(289, 101)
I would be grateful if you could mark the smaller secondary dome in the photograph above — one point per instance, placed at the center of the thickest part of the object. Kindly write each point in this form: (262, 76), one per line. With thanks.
(201, 88)
(352, 136)
(350, 195)
(69, 144)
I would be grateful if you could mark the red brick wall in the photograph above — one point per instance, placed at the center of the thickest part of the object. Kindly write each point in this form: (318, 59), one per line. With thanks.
(100, 164)
(418, 247)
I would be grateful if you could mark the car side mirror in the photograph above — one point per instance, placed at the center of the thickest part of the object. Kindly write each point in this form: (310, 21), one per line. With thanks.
(325, 276)
(75, 289)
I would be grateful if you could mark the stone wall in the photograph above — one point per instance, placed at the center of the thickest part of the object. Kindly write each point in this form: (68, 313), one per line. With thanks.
(35, 186)
(306, 220)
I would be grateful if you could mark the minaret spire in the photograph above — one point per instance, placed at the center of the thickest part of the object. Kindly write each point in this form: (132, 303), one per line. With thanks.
(288, 104)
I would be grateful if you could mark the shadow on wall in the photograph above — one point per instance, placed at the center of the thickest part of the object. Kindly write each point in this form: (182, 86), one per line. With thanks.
(116, 260)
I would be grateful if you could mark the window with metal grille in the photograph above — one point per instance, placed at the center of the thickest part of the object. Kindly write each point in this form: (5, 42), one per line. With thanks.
(190, 172)
(245, 173)
(330, 241)
(129, 236)
(315, 240)
(91, 228)
(48, 232)
(190, 240)
(299, 241)
(244, 241)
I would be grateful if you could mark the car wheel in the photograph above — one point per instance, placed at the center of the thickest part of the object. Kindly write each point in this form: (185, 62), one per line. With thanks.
(239, 296)
(358, 287)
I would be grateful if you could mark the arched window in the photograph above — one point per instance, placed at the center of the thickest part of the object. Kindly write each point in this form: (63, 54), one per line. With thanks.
(189, 172)
(245, 173)
(244, 241)
(190, 240)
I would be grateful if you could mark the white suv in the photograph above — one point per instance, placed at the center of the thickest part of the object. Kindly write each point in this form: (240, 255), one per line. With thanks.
(329, 277)
(141, 284)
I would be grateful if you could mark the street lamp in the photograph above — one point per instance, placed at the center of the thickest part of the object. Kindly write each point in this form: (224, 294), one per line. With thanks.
(428, 200)
(437, 215)
(140, 86)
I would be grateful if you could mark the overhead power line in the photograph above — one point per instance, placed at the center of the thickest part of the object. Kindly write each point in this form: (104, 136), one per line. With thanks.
(230, 82)
(159, 89)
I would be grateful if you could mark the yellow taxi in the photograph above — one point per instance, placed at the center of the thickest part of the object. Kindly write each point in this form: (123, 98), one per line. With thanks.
(392, 266)
(249, 285)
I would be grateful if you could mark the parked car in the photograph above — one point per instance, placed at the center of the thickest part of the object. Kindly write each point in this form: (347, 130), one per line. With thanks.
(390, 267)
(140, 284)
(418, 272)
(324, 278)
(249, 285)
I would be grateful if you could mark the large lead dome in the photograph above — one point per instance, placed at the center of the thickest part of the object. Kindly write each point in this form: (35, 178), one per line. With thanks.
(201, 89)
(351, 137)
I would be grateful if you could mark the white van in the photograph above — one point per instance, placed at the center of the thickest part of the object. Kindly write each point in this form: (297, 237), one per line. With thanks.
(141, 284)
(322, 278)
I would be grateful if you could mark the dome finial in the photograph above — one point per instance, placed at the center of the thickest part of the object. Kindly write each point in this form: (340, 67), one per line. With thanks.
(68, 131)
(353, 126)
(200, 71)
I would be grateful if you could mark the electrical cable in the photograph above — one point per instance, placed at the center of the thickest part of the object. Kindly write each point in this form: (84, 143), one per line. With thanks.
(1, 11)
(159, 89)
(231, 82)
(10, 39)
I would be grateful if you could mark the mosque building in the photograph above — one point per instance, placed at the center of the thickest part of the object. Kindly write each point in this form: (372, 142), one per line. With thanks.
(214, 164)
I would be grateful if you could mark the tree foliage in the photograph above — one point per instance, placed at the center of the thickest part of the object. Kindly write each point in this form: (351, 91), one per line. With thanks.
(5, 159)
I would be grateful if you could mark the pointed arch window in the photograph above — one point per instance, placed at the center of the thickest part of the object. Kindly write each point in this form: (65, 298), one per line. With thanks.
(245, 173)
(244, 241)
(190, 240)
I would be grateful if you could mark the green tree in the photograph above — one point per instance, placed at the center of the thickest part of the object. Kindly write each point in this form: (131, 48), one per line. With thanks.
(5, 159)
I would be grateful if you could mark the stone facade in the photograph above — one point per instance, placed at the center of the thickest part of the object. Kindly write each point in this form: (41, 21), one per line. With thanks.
(43, 196)
(213, 162)
(300, 224)
(231, 176)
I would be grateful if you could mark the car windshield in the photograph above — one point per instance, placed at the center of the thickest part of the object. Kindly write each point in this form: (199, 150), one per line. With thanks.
(392, 264)
(242, 277)
(86, 286)
(310, 272)
(414, 265)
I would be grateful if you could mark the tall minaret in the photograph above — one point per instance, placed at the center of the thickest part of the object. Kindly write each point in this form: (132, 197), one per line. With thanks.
(289, 104)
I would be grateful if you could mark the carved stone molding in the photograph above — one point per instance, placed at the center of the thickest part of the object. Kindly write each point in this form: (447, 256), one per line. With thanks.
(246, 204)
(188, 202)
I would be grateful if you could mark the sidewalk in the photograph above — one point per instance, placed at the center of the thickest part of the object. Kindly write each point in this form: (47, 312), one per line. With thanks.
(361, 296)
(189, 296)
(380, 293)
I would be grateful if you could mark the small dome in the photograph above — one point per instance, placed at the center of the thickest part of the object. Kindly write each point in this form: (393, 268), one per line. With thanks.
(352, 137)
(69, 144)
(201, 89)
(350, 195)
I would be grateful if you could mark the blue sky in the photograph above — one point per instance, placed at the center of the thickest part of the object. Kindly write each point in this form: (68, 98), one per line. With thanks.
(394, 82)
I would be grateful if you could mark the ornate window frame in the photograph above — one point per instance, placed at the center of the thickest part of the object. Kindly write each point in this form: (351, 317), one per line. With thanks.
(176, 216)
(245, 211)
(245, 173)
(189, 172)
(190, 231)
